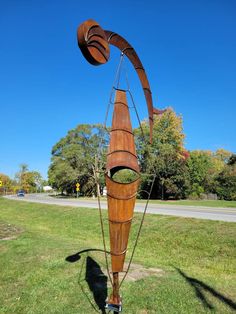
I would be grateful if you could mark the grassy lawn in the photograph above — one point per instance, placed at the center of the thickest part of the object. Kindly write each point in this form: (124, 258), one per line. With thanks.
(207, 203)
(197, 259)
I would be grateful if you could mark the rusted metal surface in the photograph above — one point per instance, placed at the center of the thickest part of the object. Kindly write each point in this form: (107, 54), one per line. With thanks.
(118, 41)
(121, 152)
(120, 196)
(121, 201)
(115, 298)
(94, 44)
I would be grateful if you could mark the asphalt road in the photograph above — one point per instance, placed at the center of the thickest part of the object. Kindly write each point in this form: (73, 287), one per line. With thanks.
(212, 213)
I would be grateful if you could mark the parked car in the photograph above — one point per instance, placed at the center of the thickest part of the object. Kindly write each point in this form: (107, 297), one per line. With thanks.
(21, 193)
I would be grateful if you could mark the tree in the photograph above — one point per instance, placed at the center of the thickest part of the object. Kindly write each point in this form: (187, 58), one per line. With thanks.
(77, 157)
(80, 157)
(232, 160)
(172, 176)
(204, 167)
(30, 181)
(23, 169)
(7, 183)
(226, 180)
(223, 155)
(165, 158)
(198, 164)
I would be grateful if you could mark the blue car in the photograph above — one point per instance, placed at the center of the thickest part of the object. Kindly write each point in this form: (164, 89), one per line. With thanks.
(21, 193)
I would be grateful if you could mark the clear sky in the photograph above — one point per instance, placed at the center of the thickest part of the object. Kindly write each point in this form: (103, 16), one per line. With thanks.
(188, 49)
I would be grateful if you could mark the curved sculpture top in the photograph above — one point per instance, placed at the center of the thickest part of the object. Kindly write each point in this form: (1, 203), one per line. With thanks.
(94, 44)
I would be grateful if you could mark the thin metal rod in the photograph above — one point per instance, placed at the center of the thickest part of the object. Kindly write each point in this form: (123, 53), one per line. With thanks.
(102, 226)
(139, 232)
(115, 84)
(137, 115)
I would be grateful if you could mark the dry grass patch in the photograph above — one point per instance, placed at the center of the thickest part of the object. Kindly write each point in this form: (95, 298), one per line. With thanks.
(137, 272)
(9, 231)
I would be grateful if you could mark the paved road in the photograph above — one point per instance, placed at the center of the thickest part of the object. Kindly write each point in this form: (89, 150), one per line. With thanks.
(212, 213)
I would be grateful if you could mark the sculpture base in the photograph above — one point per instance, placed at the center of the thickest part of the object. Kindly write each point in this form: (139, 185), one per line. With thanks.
(114, 307)
(114, 302)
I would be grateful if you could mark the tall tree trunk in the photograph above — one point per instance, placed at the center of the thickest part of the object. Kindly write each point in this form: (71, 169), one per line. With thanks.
(96, 176)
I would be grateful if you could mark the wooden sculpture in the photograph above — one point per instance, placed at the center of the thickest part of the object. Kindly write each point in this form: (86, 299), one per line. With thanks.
(94, 44)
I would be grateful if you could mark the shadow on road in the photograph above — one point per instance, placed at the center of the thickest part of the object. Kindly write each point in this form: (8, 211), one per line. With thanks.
(200, 287)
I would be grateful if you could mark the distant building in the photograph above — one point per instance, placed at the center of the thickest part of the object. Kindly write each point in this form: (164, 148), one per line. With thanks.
(47, 188)
(104, 191)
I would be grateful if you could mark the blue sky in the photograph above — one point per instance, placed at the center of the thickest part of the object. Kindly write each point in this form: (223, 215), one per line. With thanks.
(188, 49)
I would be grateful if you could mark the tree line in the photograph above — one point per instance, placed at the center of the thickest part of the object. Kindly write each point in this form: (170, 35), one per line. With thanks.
(80, 157)
(29, 181)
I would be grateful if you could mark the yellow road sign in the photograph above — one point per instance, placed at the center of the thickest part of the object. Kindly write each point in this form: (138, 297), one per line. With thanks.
(0, 183)
(77, 185)
(77, 189)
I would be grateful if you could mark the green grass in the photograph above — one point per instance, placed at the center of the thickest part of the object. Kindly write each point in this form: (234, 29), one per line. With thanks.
(207, 203)
(198, 258)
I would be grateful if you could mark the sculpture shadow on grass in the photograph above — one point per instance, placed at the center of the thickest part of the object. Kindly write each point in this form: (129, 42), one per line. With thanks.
(96, 280)
(200, 287)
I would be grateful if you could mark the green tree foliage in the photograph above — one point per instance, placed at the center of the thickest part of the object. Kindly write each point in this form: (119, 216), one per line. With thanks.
(204, 168)
(30, 181)
(232, 160)
(6, 181)
(223, 155)
(165, 158)
(199, 165)
(125, 176)
(7, 184)
(79, 157)
(226, 180)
